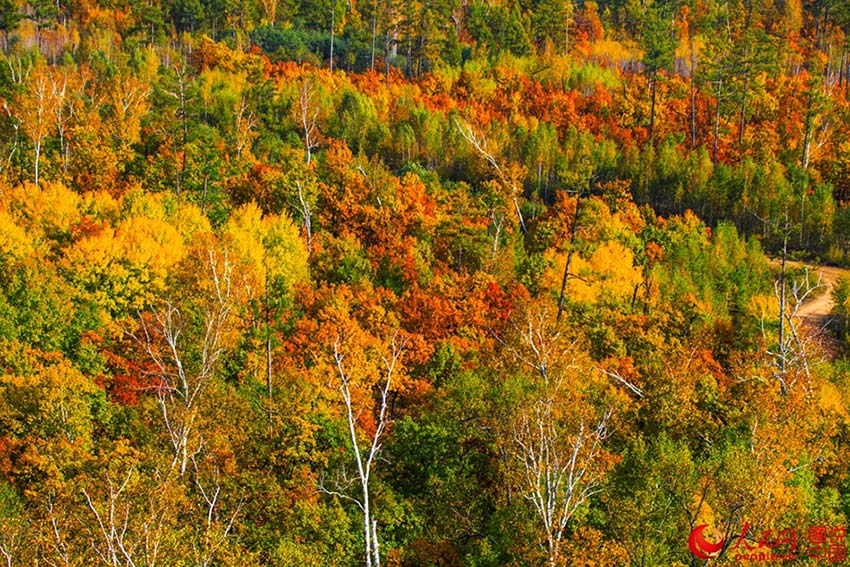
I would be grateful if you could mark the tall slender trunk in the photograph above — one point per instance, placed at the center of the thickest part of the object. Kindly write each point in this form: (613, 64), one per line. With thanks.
(367, 524)
(37, 158)
(569, 257)
(204, 198)
(307, 215)
(387, 54)
(268, 346)
(693, 93)
(654, 80)
(807, 137)
(409, 54)
(743, 118)
(185, 121)
(717, 121)
(333, 26)
(374, 33)
(375, 549)
(781, 349)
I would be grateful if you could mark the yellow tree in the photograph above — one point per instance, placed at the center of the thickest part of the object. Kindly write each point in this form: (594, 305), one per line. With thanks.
(184, 341)
(271, 259)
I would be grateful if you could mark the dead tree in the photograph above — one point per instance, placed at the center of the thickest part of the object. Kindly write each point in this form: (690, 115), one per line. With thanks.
(558, 467)
(307, 115)
(306, 215)
(215, 528)
(113, 542)
(792, 354)
(56, 544)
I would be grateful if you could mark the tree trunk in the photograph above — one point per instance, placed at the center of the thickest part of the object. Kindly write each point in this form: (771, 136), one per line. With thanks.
(522, 226)
(654, 80)
(781, 349)
(37, 158)
(569, 257)
(743, 120)
(717, 121)
(807, 137)
(333, 26)
(387, 55)
(367, 527)
(268, 346)
(693, 93)
(374, 33)
(184, 120)
(376, 553)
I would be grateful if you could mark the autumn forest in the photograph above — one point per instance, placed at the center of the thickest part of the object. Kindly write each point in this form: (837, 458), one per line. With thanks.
(424, 282)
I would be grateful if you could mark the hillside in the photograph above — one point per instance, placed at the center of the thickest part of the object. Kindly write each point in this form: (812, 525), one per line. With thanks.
(422, 284)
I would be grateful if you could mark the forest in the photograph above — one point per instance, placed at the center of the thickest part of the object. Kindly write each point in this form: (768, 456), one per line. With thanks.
(424, 283)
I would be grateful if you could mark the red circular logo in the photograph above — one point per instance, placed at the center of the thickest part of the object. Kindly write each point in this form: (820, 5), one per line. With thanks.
(703, 548)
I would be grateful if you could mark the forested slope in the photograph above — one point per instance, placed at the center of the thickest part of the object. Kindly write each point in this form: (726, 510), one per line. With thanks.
(420, 284)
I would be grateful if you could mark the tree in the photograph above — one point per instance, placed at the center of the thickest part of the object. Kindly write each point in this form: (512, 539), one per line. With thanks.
(12, 525)
(557, 433)
(659, 41)
(183, 372)
(308, 112)
(551, 24)
(38, 107)
(509, 175)
(269, 259)
(791, 357)
(366, 458)
(10, 18)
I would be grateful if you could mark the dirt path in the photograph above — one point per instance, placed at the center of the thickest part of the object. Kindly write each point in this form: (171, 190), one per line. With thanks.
(815, 312)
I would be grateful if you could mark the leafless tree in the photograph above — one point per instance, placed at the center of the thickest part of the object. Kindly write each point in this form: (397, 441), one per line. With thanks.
(111, 539)
(307, 215)
(215, 529)
(9, 541)
(365, 458)
(182, 380)
(308, 113)
(479, 143)
(558, 467)
(792, 354)
(245, 123)
(36, 110)
(558, 451)
(56, 545)
(14, 142)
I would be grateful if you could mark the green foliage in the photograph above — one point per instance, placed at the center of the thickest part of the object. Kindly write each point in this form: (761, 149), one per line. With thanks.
(216, 213)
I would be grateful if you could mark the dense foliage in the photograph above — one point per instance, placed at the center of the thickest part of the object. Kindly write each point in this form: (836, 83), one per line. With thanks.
(479, 283)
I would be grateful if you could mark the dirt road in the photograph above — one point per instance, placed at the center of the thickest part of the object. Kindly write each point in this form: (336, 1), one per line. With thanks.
(815, 312)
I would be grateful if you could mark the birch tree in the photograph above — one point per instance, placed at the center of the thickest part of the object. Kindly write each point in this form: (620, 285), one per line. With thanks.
(36, 108)
(308, 113)
(510, 176)
(365, 455)
(556, 438)
(183, 367)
